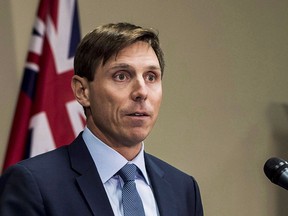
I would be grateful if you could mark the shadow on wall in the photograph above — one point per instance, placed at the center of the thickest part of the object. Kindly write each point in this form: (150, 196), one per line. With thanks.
(278, 119)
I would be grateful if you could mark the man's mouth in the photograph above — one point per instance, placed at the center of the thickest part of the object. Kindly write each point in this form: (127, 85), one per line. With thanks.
(137, 114)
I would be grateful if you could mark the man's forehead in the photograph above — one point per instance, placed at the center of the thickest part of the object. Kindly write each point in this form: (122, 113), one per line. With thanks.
(126, 56)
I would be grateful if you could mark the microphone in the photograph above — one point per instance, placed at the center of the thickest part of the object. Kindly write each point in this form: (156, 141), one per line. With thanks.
(276, 169)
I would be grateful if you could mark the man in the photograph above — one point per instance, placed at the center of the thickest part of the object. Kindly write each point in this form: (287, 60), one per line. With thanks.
(118, 81)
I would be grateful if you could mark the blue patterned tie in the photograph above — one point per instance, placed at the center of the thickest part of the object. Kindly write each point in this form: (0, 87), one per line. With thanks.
(132, 204)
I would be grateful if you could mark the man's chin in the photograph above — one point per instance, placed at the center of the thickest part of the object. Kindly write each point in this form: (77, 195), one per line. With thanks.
(136, 139)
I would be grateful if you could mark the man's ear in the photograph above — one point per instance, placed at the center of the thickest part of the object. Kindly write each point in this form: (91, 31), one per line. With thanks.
(80, 89)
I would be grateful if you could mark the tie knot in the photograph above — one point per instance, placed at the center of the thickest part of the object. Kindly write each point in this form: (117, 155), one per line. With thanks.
(128, 172)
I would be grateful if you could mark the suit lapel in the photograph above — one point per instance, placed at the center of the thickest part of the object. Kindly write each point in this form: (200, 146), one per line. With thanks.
(93, 190)
(89, 180)
(164, 195)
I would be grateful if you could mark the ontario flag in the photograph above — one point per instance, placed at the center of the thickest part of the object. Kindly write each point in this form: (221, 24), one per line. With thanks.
(47, 115)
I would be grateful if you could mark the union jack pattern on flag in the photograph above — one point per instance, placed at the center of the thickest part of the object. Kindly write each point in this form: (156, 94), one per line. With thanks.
(47, 115)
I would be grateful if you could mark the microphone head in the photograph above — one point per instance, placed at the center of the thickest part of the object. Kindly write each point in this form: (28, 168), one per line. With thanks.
(274, 167)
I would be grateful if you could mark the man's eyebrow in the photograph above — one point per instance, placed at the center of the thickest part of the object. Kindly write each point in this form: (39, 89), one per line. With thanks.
(127, 66)
(121, 66)
(154, 67)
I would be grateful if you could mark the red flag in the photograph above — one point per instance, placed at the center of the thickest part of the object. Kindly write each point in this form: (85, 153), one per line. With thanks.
(47, 116)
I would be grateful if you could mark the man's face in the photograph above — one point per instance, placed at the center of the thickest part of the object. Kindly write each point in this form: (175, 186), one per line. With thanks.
(125, 96)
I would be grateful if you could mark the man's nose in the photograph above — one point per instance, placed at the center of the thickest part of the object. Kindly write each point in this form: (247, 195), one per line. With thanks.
(140, 91)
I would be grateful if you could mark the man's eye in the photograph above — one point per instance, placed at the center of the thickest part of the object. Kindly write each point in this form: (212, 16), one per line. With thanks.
(120, 77)
(151, 77)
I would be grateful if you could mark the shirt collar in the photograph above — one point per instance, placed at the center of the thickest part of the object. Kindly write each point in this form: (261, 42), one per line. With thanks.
(102, 154)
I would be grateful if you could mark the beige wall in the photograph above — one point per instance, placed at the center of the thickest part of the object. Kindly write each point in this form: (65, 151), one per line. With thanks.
(225, 90)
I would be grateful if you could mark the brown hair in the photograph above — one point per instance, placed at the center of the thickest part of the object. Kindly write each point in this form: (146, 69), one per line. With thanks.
(107, 40)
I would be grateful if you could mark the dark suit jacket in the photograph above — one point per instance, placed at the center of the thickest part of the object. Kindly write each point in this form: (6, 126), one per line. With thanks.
(65, 182)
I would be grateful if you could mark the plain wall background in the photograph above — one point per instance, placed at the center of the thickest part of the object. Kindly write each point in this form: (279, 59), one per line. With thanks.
(225, 103)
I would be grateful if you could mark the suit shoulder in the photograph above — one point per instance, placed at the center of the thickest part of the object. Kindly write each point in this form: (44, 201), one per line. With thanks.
(168, 168)
(46, 161)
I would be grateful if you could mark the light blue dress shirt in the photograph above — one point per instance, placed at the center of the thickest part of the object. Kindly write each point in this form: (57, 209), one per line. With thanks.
(108, 163)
